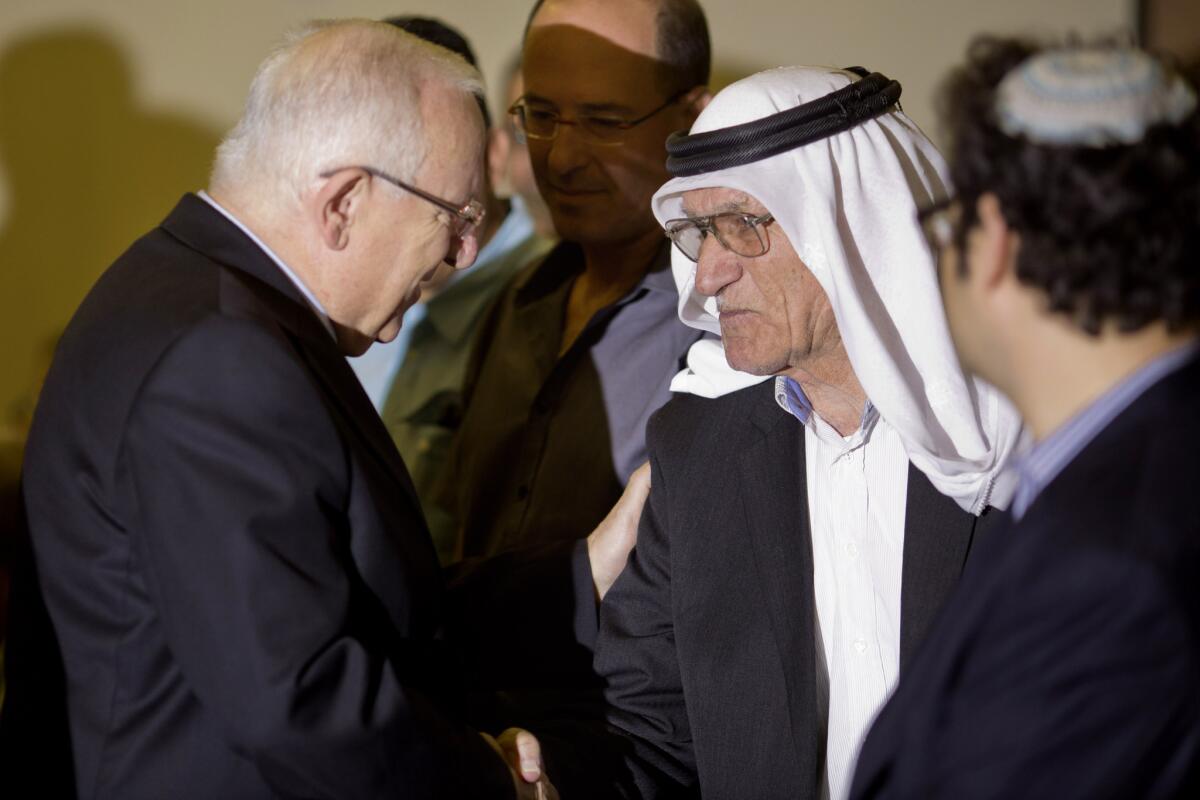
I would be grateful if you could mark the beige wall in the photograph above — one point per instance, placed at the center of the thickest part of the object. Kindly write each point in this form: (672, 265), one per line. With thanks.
(110, 109)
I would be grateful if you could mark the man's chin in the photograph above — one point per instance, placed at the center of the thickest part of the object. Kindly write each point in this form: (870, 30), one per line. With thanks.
(391, 330)
(351, 342)
(745, 360)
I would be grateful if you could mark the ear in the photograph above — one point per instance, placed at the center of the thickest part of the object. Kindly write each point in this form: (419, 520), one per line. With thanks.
(338, 203)
(697, 98)
(995, 244)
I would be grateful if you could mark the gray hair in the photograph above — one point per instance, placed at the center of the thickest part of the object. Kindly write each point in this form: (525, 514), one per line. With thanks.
(336, 94)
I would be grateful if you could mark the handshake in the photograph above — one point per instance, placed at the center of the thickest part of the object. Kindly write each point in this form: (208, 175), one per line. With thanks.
(608, 549)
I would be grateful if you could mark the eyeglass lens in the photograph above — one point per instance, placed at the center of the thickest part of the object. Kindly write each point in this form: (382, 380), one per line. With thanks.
(736, 232)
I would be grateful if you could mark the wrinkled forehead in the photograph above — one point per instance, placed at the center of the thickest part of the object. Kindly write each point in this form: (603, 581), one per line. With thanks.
(737, 189)
(706, 201)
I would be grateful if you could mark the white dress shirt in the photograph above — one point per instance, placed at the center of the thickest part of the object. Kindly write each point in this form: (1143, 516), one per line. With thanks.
(857, 490)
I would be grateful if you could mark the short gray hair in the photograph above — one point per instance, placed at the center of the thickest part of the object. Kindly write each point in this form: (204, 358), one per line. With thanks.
(336, 94)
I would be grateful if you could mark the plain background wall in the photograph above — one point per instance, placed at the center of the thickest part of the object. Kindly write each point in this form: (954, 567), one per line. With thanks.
(110, 109)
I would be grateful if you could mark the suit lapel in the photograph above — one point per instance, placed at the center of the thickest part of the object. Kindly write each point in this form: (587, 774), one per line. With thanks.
(778, 527)
(937, 537)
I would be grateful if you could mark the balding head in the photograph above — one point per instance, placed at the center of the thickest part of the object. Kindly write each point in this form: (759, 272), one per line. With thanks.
(675, 32)
(335, 93)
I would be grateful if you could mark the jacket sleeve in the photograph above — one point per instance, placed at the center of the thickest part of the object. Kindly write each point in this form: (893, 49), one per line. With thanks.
(238, 479)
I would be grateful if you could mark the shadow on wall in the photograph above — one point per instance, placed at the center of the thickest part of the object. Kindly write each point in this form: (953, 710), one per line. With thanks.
(87, 171)
(726, 72)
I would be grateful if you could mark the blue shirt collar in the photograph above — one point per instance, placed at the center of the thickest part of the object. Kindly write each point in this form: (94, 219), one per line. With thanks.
(792, 399)
(1049, 457)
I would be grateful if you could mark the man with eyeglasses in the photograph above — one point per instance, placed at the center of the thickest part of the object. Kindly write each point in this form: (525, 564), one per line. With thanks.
(580, 348)
(823, 470)
(241, 598)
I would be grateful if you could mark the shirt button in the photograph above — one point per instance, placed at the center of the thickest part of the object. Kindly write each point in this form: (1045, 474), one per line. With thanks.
(860, 645)
(522, 492)
(852, 550)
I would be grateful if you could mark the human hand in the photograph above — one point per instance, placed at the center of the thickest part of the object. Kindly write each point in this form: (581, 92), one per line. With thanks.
(609, 545)
(522, 754)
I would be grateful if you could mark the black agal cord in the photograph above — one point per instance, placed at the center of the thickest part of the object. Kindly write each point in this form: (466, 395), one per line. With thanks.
(834, 113)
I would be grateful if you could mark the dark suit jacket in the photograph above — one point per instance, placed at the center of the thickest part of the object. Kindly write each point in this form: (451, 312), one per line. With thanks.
(708, 639)
(1068, 664)
(241, 584)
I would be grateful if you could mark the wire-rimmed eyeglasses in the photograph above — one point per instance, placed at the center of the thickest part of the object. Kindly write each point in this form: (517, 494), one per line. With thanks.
(738, 232)
(467, 217)
(540, 122)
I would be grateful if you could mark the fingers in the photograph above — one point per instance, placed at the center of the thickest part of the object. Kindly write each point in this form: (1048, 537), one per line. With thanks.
(530, 752)
(523, 753)
(634, 497)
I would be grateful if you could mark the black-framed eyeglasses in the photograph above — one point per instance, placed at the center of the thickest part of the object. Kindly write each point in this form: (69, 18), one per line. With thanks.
(467, 217)
(541, 123)
(738, 232)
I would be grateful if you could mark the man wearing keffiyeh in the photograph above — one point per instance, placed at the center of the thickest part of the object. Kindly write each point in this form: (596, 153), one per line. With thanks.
(823, 469)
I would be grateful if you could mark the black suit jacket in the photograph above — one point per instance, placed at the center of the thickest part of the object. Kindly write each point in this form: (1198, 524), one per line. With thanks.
(1068, 665)
(240, 581)
(708, 639)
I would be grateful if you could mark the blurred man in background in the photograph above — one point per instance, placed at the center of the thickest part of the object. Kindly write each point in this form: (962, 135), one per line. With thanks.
(580, 348)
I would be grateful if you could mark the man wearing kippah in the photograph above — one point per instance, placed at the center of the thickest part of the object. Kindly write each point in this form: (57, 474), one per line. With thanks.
(823, 470)
(1068, 664)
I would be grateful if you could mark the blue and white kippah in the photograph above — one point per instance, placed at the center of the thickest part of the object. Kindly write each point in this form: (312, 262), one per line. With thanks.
(1090, 97)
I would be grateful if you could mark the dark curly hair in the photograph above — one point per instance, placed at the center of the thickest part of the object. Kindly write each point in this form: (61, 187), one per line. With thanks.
(1107, 233)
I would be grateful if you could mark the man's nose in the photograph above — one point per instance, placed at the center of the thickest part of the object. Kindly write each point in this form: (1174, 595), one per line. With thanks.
(568, 150)
(716, 268)
(463, 250)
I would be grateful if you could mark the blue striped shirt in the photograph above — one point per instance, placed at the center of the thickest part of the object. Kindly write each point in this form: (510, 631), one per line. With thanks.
(1049, 457)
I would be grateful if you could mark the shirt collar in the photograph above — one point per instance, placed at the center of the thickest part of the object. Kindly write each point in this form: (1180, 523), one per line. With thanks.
(792, 399)
(313, 302)
(1049, 457)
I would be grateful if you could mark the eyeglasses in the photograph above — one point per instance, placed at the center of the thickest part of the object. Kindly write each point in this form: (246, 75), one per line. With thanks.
(538, 122)
(744, 234)
(937, 225)
(466, 218)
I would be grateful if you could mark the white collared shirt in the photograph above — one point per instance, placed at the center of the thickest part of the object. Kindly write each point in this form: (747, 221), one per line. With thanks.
(313, 302)
(857, 493)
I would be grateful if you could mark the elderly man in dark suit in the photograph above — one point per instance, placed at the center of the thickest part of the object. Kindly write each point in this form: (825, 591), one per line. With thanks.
(1068, 663)
(242, 587)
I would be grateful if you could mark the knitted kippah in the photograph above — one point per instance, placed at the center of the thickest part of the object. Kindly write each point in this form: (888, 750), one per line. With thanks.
(1090, 97)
